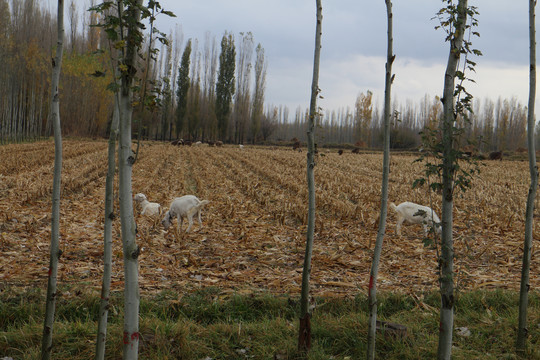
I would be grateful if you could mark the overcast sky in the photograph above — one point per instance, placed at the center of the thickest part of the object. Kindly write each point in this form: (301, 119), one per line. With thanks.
(354, 45)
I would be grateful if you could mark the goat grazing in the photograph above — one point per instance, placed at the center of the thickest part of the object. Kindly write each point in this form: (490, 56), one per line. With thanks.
(148, 208)
(416, 214)
(186, 206)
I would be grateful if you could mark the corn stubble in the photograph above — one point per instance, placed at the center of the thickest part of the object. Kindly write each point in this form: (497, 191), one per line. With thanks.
(254, 228)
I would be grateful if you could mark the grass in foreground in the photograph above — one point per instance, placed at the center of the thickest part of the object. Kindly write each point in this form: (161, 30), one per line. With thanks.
(209, 325)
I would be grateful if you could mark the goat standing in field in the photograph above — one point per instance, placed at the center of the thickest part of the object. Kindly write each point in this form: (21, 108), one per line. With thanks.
(148, 208)
(416, 214)
(186, 206)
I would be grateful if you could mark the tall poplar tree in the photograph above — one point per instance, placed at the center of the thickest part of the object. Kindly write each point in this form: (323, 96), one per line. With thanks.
(533, 169)
(442, 144)
(108, 219)
(372, 290)
(167, 96)
(133, 41)
(243, 71)
(125, 32)
(107, 237)
(182, 89)
(362, 116)
(304, 335)
(46, 345)
(449, 161)
(225, 84)
(258, 93)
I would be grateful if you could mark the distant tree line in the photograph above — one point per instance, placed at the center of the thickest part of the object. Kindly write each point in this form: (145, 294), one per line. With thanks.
(27, 42)
(211, 92)
(494, 125)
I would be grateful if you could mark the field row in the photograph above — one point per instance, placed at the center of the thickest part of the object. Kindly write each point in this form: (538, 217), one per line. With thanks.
(254, 227)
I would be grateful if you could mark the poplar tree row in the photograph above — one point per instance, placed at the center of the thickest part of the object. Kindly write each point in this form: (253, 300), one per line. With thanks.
(209, 90)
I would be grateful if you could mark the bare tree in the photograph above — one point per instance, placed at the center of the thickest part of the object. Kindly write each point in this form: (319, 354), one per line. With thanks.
(73, 24)
(178, 40)
(241, 104)
(166, 91)
(362, 116)
(372, 290)
(208, 123)
(55, 252)
(194, 93)
(258, 93)
(533, 168)
(304, 336)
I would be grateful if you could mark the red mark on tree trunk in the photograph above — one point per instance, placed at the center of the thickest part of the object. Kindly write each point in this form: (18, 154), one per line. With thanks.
(370, 283)
(130, 339)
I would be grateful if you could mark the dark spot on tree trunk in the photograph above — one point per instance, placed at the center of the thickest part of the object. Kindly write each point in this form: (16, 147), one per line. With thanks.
(135, 254)
(447, 301)
(304, 337)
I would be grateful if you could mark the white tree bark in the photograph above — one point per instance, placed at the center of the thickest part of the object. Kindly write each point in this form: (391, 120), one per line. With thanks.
(447, 246)
(372, 291)
(125, 163)
(130, 248)
(304, 337)
(533, 168)
(107, 237)
(46, 346)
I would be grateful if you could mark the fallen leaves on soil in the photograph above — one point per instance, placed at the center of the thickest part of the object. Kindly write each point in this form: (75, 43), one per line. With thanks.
(253, 237)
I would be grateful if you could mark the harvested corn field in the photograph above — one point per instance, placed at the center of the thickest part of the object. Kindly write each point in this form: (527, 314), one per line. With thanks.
(254, 227)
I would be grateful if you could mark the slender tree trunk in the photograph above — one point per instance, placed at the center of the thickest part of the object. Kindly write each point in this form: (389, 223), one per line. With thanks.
(304, 337)
(449, 160)
(130, 248)
(372, 295)
(107, 237)
(533, 168)
(125, 163)
(46, 346)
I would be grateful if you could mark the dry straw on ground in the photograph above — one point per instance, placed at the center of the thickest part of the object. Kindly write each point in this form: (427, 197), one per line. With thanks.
(253, 235)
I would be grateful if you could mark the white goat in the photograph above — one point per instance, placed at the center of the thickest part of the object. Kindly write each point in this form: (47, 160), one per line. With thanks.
(416, 214)
(185, 206)
(148, 208)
